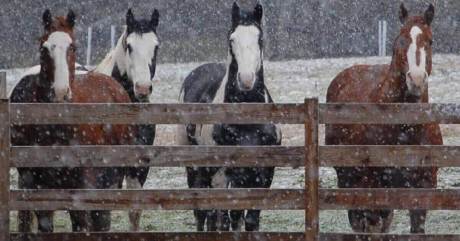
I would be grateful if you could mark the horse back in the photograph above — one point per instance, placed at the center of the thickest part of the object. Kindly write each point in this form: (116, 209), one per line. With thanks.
(99, 88)
(201, 85)
(357, 83)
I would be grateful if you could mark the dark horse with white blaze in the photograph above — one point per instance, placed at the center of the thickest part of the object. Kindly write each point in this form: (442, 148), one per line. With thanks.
(133, 63)
(405, 80)
(57, 83)
(241, 82)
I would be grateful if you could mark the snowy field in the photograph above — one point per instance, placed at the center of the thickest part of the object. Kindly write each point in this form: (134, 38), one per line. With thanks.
(289, 81)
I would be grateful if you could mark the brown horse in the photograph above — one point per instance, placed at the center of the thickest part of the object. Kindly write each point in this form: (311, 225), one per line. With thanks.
(403, 81)
(56, 83)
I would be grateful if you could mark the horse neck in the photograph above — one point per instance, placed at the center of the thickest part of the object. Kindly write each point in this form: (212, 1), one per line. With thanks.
(123, 80)
(114, 65)
(114, 57)
(234, 95)
(44, 86)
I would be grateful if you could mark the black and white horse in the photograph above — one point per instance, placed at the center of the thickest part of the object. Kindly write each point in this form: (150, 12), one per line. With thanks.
(133, 63)
(241, 81)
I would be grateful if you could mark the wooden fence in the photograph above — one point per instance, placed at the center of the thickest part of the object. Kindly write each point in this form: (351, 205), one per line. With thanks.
(311, 155)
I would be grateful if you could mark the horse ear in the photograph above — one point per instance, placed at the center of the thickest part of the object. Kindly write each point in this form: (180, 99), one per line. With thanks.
(155, 19)
(47, 19)
(130, 20)
(71, 18)
(403, 14)
(429, 14)
(235, 14)
(259, 12)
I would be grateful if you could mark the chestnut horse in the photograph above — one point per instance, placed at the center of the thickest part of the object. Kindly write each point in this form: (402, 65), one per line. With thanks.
(405, 80)
(57, 83)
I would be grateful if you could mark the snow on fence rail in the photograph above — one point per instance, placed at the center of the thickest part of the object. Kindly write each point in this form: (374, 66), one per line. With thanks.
(312, 156)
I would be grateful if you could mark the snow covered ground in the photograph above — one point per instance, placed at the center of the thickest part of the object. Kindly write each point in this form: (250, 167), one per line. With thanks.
(291, 81)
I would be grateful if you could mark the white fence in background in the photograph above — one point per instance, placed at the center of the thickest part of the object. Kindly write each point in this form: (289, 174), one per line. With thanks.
(383, 38)
(89, 38)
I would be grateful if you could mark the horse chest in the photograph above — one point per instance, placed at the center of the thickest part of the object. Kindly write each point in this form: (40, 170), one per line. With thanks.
(392, 134)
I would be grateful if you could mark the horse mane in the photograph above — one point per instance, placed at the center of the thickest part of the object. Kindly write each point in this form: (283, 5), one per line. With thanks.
(108, 63)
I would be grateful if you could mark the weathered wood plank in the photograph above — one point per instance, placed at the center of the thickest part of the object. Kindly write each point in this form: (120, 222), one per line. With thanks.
(351, 113)
(181, 156)
(4, 161)
(387, 237)
(156, 113)
(3, 86)
(161, 156)
(183, 236)
(227, 236)
(311, 171)
(271, 199)
(189, 199)
(410, 199)
(385, 156)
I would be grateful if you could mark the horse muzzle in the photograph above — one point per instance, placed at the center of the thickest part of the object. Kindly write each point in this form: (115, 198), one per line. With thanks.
(63, 95)
(246, 81)
(417, 84)
(143, 91)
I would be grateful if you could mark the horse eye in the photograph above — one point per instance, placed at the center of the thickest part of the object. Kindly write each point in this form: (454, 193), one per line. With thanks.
(431, 42)
(129, 48)
(72, 48)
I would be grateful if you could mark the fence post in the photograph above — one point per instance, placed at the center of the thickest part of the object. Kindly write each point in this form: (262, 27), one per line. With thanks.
(4, 160)
(311, 171)
(112, 36)
(88, 46)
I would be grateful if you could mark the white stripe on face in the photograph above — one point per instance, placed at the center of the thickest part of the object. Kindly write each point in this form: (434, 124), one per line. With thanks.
(57, 44)
(416, 77)
(140, 59)
(245, 45)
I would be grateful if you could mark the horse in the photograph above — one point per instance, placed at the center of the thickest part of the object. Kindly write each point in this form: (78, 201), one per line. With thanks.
(404, 80)
(133, 63)
(57, 83)
(240, 81)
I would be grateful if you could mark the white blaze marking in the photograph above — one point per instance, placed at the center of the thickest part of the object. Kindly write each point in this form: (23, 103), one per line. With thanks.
(140, 59)
(417, 71)
(245, 46)
(57, 44)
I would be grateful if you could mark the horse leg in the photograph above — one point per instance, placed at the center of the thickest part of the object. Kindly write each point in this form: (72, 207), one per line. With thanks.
(211, 220)
(223, 220)
(252, 220)
(25, 220)
(45, 221)
(217, 220)
(80, 221)
(102, 178)
(417, 221)
(195, 179)
(200, 217)
(101, 221)
(135, 179)
(420, 178)
(368, 221)
(236, 217)
(25, 217)
(263, 179)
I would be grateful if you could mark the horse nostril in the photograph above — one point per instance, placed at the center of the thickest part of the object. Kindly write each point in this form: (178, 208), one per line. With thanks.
(143, 90)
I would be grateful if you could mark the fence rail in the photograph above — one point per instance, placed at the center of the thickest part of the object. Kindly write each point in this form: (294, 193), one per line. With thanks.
(161, 156)
(229, 236)
(39, 114)
(311, 199)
